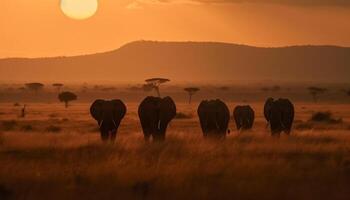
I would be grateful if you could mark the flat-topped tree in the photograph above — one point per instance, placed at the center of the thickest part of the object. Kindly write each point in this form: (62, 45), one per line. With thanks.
(191, 91)
(58, 86)
(34, 86)
(316, 91)
(66, 97)
(156, 82)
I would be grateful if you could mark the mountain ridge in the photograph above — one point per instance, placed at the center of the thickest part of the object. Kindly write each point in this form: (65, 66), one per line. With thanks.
(176, 60)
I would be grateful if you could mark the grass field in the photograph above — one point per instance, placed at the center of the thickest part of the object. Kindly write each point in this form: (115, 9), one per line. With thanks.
(56, 153)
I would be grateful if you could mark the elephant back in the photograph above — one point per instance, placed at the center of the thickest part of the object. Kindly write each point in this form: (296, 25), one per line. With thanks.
(101, 108)
(214, 116)
(149, 105)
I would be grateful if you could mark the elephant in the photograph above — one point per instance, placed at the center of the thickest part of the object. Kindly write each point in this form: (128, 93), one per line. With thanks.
(244, 117)
(155, 114)
(280, 115)
(108, 114)
(214, 117)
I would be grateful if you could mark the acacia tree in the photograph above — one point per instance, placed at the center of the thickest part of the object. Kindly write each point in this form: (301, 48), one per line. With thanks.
(34, 86)
(316, 91)
(58, 86)
(155, 83)
(191, 91)
(66, 97)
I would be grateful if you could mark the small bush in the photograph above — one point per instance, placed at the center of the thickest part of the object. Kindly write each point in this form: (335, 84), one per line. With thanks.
(181, 115)
(53, 115)
(325, 117)
(27, 128)
(16, 104)
(53, 129)
(9, 125)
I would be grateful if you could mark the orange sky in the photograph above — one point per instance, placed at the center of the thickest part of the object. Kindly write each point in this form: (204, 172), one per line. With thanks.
(36, 28)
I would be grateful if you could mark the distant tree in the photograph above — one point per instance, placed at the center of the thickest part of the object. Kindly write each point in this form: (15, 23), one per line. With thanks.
(316, 91)
(265, 89)
(191, 91)
(348, 93)
(108, 89)
(34, 86)
(66, 97)
(84, 88)
(224, 88)
(22, 89)
(58, 86)
(97, 87)
(23, 111)
(276, 88)
(155, 83)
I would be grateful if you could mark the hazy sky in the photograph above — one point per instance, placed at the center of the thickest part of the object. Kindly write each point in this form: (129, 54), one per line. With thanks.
(33, 28)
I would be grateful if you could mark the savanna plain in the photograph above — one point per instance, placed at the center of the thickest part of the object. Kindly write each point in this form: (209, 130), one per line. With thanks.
(56, 153)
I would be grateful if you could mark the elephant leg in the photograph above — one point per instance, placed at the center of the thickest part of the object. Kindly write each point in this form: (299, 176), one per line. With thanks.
(287, 131)
(146, 130)
(104, 136)
(276, 133)
(146, 136)
(162, 131)
(113, 135)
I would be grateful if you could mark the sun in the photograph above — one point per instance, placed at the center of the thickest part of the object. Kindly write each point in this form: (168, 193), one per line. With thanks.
(79, 9)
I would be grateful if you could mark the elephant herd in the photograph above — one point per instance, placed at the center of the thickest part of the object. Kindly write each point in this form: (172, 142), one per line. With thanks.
(155, 113)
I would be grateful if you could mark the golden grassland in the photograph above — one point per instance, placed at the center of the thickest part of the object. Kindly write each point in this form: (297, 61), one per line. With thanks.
(56, 153)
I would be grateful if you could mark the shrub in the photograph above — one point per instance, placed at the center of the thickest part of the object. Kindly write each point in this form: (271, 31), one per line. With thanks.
(324, 117)
(16, 104)
(27, 128)
(181, 115)
(53, 115)
(53, 129)
(9, 125)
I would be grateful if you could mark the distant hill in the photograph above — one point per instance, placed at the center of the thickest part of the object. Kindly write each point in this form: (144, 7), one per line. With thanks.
(188, 61)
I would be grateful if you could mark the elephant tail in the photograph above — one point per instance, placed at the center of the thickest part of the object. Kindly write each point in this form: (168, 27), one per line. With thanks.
(228, 131)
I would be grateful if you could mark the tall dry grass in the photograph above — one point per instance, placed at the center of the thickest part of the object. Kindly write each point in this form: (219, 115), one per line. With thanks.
(312, 163)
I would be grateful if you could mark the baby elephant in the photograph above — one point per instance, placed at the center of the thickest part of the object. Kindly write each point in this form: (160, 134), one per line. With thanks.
(244, 117)
(108, 114)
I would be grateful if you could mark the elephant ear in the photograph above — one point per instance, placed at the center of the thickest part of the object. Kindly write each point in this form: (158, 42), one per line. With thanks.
(119, 108)
(267, 108)
(96, 109)
(168, 108)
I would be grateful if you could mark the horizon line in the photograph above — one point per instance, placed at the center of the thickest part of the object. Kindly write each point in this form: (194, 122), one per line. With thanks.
(174, 41)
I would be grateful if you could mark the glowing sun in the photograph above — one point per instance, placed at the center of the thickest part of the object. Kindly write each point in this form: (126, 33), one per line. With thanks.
(79, 9)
